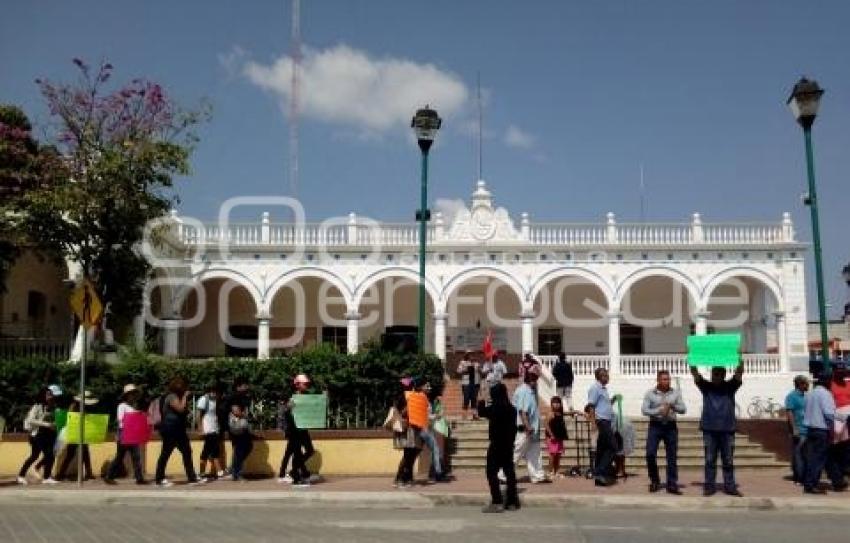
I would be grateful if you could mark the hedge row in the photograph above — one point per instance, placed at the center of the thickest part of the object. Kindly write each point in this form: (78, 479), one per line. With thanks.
(360, 386)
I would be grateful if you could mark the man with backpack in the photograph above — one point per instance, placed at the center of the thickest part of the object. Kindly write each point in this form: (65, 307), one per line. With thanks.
(562, 371)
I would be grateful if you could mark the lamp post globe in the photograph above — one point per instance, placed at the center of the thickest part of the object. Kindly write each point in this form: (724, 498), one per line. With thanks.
(804, 102)
(425, 124)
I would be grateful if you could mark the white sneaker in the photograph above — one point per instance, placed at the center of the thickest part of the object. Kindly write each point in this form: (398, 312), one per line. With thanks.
(50, 481)
(315, 478)
(198, 481)
(22, 480)
(287, 480)
(165, 483)
(220, 474)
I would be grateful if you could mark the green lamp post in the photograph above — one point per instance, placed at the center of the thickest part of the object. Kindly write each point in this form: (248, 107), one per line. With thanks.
(804, 102)
(425, 125)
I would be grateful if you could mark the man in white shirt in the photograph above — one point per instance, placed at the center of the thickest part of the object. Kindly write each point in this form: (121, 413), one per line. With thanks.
(209, 428)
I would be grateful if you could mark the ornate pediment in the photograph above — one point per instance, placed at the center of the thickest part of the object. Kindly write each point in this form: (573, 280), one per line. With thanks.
(482, 223)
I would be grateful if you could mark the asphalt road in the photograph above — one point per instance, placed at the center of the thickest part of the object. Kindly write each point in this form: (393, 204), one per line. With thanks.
(49, 523)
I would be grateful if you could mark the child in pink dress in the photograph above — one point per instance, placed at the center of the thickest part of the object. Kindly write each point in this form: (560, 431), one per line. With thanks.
(556, 434)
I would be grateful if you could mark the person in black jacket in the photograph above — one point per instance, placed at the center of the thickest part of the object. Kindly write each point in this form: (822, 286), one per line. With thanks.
(502, 432)
(562, 371)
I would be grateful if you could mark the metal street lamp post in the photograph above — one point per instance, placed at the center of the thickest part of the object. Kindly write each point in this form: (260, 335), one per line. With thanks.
(425, 125)
(804, 102)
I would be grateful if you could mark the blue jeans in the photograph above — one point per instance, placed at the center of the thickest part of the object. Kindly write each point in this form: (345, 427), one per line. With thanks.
(724, 443)
(668, 433)
(818, 457)
(798, 461)
(430, 441)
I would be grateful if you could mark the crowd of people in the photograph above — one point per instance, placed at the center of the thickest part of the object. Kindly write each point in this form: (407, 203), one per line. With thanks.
(517, 429)
(219, 417)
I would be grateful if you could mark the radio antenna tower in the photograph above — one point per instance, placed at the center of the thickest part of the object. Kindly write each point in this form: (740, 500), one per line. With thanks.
(294, 97)
(480, 146)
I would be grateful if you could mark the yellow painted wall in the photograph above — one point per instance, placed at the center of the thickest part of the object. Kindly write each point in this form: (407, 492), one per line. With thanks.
(333, 457)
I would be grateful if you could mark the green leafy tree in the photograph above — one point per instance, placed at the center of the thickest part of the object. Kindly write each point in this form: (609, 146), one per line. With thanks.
(23, 163)
(120, 153)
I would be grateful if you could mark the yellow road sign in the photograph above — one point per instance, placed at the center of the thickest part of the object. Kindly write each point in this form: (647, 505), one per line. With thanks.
(86, 305)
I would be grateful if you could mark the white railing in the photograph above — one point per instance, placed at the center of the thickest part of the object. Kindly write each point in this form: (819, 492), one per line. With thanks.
(648, 365)
(567, 234)
(644, 365)
(654, 234)
(539, 234)
(762, 364)
(742, 234)
(583, 364)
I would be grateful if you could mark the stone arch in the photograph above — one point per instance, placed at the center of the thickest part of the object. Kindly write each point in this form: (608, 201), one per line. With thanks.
(455, 282)
(385, 273)
(283, 279)
(755, 274)
(207, 275)
(674, 274)
(592, 277)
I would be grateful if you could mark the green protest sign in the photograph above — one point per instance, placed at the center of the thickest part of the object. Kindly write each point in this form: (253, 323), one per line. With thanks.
(60, 418)
(310, 410)
(714, 350)
(95, 429)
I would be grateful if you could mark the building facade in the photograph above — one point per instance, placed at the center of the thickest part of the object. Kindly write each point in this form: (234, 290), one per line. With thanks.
(615, 295)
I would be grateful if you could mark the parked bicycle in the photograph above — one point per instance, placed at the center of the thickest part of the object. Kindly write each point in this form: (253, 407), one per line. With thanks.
(764, 408)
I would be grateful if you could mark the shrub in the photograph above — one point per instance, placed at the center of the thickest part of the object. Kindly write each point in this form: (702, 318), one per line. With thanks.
(360, 386)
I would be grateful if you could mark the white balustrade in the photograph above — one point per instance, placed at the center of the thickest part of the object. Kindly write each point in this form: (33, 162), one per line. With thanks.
(648, 365)
(583, 364)
(540, 234)
(762, 364)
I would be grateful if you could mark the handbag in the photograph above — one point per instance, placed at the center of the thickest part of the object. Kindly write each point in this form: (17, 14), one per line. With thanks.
(394, 422)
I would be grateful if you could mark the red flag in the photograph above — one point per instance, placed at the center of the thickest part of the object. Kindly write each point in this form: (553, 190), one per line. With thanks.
(487, 348)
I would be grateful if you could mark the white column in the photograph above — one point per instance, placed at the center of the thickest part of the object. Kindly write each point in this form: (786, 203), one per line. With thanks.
(701, 324)
(527, 319)
(139, 331)
(171, 338)
(440, 335)
(352, 334)
(263, 335)
(782, 341)
(614, 343)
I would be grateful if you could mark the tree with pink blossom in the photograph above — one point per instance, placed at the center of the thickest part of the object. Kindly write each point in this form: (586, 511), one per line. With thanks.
(120, 151)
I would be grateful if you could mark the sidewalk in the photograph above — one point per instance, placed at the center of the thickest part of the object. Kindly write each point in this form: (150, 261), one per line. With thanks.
(763, 490)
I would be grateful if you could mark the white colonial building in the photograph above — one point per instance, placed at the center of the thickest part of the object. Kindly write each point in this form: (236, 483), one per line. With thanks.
(619, 295)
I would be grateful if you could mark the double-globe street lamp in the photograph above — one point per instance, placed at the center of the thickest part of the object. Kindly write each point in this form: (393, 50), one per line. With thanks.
(804, 102)
(425, 125)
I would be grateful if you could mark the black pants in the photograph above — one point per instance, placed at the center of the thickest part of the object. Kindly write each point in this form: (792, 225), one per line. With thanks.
(666, 433)
(135, 456)
(723, 443)
(70, 453)
(405, 466)
(817, 454)
(242, 446)
(501, 457)
(299, 447)
(40, 445)
(606, 449)
(178, 439)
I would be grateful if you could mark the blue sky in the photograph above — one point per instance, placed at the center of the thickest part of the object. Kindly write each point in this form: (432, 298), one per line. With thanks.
(578, 95)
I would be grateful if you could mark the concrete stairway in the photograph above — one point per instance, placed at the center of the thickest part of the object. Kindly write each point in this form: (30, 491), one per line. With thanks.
(470, 442)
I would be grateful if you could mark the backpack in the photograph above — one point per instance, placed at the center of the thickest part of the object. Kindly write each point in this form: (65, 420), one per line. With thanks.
(155, 412)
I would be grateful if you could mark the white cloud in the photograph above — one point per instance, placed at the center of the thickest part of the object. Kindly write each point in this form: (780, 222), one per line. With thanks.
(346, 86)
(518, 138)
(449, 207)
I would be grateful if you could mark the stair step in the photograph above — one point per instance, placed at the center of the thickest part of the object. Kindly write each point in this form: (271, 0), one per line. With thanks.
(694, 453)
(686, 463)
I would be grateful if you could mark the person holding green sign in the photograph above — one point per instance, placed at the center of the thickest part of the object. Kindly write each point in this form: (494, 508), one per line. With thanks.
(718, 425)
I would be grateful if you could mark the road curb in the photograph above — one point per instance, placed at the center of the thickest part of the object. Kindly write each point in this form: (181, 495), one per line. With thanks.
(410, 500)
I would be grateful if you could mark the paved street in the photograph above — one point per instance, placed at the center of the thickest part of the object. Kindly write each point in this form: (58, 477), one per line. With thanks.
(55, 523)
